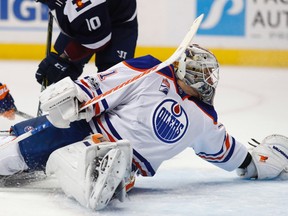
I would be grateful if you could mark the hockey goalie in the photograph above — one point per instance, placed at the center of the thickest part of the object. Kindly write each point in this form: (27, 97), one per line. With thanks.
(144, 124)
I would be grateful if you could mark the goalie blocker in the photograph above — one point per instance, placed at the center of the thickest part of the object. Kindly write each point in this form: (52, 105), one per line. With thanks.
(92, 171)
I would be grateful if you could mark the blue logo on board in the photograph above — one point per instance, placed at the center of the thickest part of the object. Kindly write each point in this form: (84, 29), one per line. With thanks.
(170, 121)
(222, 17)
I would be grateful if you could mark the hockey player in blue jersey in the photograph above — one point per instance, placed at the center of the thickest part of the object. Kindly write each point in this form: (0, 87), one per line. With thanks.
(94, 153)
(7, 106)
(107, 28)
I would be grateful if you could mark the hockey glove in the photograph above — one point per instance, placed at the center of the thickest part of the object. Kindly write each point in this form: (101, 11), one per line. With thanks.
(61, 100)
(269, 159)
(7, 106)
(54, 68)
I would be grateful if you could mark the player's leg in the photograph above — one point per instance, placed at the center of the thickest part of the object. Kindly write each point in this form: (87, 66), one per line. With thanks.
(122, 45)
(37, 148)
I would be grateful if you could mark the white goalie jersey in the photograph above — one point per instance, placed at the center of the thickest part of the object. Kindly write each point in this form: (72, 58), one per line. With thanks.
(158, 118)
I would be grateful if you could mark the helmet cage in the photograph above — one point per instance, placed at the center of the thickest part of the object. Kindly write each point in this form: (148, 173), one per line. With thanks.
(199, 68)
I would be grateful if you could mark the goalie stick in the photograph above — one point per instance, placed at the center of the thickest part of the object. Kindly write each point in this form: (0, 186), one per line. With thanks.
(19, 113)
(23, 115)
(4, 133)
(174, 57)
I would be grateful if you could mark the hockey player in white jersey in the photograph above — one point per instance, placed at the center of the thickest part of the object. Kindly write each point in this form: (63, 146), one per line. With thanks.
(144, 124)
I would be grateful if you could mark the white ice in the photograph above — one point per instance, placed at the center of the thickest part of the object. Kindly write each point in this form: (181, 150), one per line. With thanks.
(251, 103)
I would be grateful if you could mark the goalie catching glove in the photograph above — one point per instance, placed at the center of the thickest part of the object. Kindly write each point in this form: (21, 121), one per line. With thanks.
(61, 100)
(92, 172)
(268, 160)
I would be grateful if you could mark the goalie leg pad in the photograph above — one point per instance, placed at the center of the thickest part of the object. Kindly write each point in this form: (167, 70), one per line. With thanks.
(89, 172)
(271, 157)
(11, 160)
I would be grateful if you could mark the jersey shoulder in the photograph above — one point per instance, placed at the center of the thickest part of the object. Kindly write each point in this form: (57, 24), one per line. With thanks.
(143, 62)
(148, 61)
(206, 108)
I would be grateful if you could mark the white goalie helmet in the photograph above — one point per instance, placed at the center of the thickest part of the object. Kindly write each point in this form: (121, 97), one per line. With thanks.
(199, 68)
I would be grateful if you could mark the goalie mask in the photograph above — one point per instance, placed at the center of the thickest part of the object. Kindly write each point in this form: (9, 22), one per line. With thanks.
(199, 69)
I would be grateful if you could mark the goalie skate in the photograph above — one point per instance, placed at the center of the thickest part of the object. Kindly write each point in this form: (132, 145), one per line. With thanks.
(109, 174)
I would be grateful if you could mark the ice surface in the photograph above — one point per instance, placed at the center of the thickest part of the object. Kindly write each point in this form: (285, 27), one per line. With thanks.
(251, 103)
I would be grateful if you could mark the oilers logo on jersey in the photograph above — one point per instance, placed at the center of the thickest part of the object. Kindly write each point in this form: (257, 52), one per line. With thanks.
(170, 121)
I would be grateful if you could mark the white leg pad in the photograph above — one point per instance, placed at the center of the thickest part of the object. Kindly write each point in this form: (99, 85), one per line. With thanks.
(11, 160)
(90, 173)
